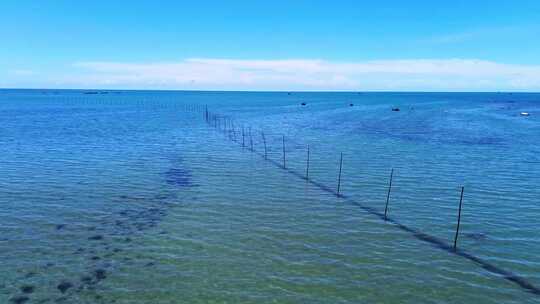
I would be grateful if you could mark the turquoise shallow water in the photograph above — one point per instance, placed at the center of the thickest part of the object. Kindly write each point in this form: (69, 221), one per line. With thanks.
(130, 197)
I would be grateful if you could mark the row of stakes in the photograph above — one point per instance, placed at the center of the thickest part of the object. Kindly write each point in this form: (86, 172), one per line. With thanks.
(227, 125)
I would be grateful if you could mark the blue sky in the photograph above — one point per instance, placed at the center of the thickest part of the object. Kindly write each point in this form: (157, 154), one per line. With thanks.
(272, 45)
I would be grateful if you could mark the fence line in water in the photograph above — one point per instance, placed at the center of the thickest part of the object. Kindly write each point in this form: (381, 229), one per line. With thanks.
(432, 240)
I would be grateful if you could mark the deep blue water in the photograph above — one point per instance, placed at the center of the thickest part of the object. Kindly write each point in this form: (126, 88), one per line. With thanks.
(130, 197)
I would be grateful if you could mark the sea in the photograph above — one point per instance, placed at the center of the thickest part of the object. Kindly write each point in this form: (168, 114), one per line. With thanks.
(115, 196)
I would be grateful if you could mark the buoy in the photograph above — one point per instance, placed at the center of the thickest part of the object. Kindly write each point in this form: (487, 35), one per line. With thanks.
(303, 103)
(395, 109)
(351, 104)
(524, 114)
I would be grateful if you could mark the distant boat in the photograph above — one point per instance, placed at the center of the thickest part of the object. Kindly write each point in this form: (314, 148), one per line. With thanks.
(524, 114)
(395, 109)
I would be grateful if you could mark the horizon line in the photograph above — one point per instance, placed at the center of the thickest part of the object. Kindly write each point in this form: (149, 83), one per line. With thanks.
(269, 91)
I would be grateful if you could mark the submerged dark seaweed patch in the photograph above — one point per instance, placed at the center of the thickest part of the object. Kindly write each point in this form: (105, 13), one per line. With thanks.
(27, 288)
(178, 177)
(64, 286)
(115, 232)
(100, 274)
(86, 279)
(30, 274)
(19, 299)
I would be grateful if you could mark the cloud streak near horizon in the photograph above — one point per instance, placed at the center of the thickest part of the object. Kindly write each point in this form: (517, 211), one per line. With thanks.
(306, 74)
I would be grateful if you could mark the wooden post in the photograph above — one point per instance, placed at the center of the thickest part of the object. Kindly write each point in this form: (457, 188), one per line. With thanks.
(233, 130)
(206, 113)
(264, 141)
(284, 152)
(459, 218)
(243, 137)
(339, 176)
(388, 194)
(307, 164)
(250, 139)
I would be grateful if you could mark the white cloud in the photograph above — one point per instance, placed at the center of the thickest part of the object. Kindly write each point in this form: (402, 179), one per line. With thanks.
(232, 74)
